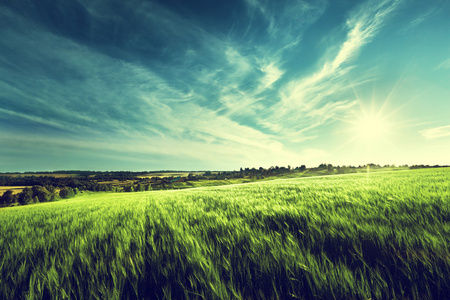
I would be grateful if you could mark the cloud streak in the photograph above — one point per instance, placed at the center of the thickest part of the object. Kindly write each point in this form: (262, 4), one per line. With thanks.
(436, 133)
(303, 98)
(445, 64)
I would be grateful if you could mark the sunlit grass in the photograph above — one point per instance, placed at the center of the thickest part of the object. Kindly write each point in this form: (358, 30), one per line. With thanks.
(347, 237)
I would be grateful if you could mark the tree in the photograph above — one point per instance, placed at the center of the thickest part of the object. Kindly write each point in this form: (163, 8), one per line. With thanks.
(128, 188)
(26, 196)
(139, 188)
(322, 167)
(66, 192)
(330, 168)
(42, 193)
(7, 198)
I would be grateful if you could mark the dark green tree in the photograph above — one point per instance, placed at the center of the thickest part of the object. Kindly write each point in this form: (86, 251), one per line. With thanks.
(128, 188)
(322, 167)
(66, 192)
(139, 187)
(7, 198)
(26, 196)
(42, 193)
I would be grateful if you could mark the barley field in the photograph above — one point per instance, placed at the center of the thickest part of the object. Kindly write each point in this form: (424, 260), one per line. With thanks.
(380, 236)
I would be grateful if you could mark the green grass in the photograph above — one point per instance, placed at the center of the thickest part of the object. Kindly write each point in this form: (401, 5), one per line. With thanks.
(383, 236)
(248, 178)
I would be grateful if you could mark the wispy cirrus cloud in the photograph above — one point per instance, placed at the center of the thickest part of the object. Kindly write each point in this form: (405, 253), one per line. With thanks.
(435, 133)
(277, 15)
(424, 16)
(148, 100)
(444, 65)
(304, 97)
(243, 81)
(95, 94)
(271, 74)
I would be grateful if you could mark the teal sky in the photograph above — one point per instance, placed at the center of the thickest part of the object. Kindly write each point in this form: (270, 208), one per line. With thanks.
(219, 85)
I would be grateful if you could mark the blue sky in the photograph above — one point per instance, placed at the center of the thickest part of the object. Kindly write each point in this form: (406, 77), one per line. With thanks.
(216, 85)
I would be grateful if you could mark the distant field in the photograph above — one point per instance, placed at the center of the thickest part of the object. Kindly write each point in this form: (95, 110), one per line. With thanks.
(149, 175)
(117, 182)
(15, 189)
(38, 175)
(381, 236)
(169, 174)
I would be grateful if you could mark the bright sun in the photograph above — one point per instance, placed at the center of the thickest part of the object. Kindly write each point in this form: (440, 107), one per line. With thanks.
(371, 127)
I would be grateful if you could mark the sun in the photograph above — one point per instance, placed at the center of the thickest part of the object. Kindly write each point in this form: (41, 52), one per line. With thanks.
(369, 131)
(371, 127)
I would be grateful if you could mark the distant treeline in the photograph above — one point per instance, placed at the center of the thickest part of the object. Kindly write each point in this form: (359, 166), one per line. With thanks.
(118, 174)
(427, 166)
(88, 180)
(37, 194)
(48, 188)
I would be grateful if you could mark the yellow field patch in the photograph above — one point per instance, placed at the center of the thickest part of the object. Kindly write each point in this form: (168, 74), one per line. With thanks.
(15, 189)
(174, 174)
(116, 182)
(39, 175)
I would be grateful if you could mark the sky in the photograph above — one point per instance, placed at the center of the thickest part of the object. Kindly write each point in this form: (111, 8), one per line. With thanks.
(218, 85)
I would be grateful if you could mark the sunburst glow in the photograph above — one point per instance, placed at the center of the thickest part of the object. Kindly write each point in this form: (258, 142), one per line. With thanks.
(371, 127)
(370, 130)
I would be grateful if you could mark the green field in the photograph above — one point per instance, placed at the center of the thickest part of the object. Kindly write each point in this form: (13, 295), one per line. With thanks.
(382, 236)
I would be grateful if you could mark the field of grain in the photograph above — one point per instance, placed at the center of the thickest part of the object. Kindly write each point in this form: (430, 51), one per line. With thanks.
(39, 175)
(170, 174)
(14, 189)
(383, 236)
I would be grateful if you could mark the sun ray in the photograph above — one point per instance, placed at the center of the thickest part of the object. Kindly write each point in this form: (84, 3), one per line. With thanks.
(349, 141)
(391, 93)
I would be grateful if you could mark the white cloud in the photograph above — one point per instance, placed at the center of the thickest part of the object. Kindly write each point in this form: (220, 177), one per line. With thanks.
(420, 19)
(445, 64)
(435, 133)
(240, 63)
(298, 13)
(271, 74)
(330, 109)
(35, 119)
